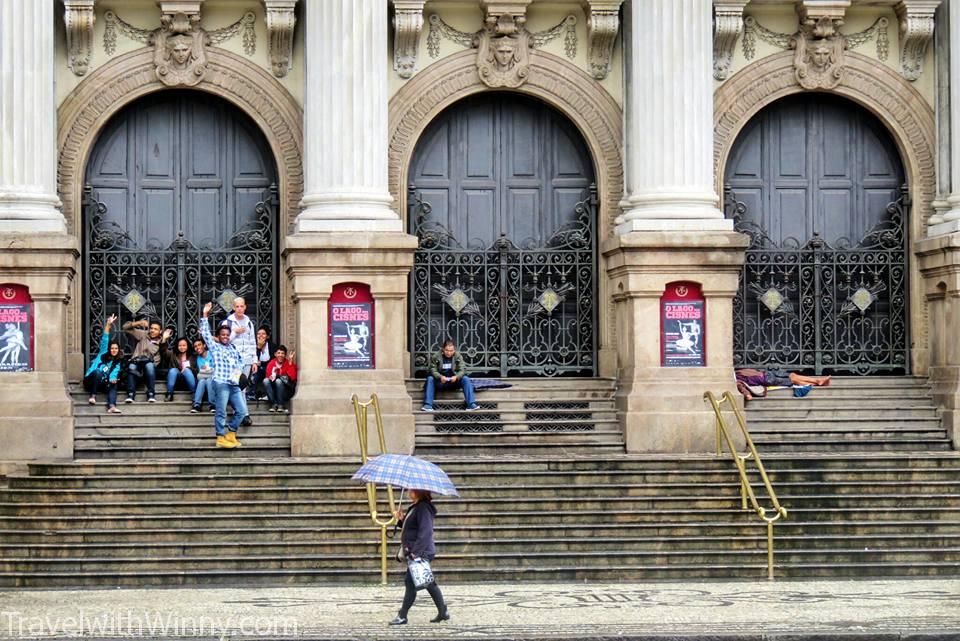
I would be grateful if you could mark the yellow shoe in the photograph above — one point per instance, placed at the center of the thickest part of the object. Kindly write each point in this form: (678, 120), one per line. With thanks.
(232, 438)
(224, 442)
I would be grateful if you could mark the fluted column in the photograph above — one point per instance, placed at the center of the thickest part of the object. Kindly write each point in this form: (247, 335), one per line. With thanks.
(28, 121)
(669, 119)
(951, 217)
(345, 114)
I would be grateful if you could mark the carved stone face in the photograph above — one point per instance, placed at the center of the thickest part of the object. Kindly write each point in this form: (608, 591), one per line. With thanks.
(505, 54)
(181, 51)
(820, 56)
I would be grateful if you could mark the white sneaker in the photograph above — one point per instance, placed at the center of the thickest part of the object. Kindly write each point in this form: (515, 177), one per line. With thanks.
(426, 408)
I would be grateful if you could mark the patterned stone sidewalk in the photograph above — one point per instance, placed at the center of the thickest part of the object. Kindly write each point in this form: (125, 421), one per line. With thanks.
(731, 611)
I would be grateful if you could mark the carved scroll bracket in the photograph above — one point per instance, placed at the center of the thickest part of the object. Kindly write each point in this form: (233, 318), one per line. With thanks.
(916, 33)
(603, 24)
(78, 15)
(727, 27)
(407, 25)
(281, 20)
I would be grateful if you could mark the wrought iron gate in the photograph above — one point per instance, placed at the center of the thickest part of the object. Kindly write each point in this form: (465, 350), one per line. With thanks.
(172, 283)
(822, 307)
(512, 309)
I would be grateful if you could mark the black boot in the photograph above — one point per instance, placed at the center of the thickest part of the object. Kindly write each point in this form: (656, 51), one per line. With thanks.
(441, 616)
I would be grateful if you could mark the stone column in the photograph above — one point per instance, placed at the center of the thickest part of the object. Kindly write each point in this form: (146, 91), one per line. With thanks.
(671, 228)
(669, 119)
(949, 221)
(346, 230)
(36, 418)
(28, 120)
(345, 119)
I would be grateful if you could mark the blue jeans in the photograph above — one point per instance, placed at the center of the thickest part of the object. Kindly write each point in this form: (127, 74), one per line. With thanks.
(97, 381)
(277, 392)
(227, 393)
(429, 390)
(149, 371)
(186, 374)
(204, 385)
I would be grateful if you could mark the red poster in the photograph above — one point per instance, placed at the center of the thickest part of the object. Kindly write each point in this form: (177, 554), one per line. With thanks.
(683, 328)
(352, 329)
(16, 329)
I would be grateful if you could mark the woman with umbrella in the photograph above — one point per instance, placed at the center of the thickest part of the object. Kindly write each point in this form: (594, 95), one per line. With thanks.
(416, 540)
(399, 470)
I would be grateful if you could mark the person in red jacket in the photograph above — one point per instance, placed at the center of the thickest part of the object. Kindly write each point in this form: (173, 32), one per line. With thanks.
(280, 381)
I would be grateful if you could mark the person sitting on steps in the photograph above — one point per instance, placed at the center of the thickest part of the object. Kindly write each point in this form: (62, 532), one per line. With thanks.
(448, 371)
(146, 355)
(179, 366)
(281, 380)
(104, 370)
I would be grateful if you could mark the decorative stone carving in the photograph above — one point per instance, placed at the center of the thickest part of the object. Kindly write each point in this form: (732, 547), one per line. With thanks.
(829, 14)
(753, 30)
(818, 54)
(78, 15)
(503, 43)
(179, 52)
(603, 24)
(727, 27)
(407, 25)
(503, 51)
(916, 33)
(245, 26)
(281, 20)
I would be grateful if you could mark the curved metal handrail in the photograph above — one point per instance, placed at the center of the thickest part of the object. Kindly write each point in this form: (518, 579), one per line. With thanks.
(360, 410)
(769, 515)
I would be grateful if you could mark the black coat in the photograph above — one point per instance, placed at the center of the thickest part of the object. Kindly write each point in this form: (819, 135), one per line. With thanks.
(417, 537)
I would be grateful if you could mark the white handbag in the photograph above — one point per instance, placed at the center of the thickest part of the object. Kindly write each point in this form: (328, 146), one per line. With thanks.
(420, 572)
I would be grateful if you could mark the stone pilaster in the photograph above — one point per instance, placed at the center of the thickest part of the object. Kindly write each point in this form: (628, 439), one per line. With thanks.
(323, 423)
(662, 408)
(347, 232)
(345, 119)
(939, 259)
(949, 221)
(28, 120)
(36, 415)
(669, 119)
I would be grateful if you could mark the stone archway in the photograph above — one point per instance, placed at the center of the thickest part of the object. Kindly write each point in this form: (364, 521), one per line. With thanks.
(569, 89)
(886, 94)
(107, 90)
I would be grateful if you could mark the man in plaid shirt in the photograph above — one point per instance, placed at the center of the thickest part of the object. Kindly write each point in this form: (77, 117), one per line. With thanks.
(227, 367)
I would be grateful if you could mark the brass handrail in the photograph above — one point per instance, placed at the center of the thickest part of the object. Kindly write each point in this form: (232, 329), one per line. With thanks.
(360, 410)
(746, 491)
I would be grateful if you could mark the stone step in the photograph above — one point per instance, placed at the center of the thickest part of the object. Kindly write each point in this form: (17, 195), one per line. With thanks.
(503, 425)
(887, 445)
(747, 525)
(207, 450)
(756, 414)
(175, 431)
(531, 449)
(843, 424)
(862, 434)
(815, 403)
(510, 438)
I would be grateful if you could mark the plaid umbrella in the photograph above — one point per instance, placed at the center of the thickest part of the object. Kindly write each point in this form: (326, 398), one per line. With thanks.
(401, 470)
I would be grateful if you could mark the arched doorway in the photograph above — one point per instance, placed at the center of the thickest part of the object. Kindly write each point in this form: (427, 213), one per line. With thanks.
(818, 184)
(503, 200)
(180, 209)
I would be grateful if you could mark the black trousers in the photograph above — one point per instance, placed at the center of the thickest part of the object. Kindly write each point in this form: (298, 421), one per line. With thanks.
(410, 594)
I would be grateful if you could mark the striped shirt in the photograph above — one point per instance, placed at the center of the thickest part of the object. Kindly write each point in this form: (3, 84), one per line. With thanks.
(226, 359)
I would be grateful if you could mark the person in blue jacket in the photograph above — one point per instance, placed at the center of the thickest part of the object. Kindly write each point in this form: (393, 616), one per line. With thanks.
(104, 370)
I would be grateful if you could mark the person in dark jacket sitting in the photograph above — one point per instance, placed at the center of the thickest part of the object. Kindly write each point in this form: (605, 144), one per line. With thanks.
(448, 371)
(417, 541)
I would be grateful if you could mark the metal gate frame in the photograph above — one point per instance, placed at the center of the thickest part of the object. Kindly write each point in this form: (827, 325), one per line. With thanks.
(171, 284)
(526, 309)
(840, 308)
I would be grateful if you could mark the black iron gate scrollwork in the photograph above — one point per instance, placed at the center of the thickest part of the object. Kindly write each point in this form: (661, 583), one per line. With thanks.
(526, 309)
(171, 283)
(836, 307)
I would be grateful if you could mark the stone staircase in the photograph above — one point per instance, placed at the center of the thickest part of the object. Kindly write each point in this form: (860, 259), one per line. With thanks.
(164, 430)
(604, 518)
(534, 417)
(864, 414)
